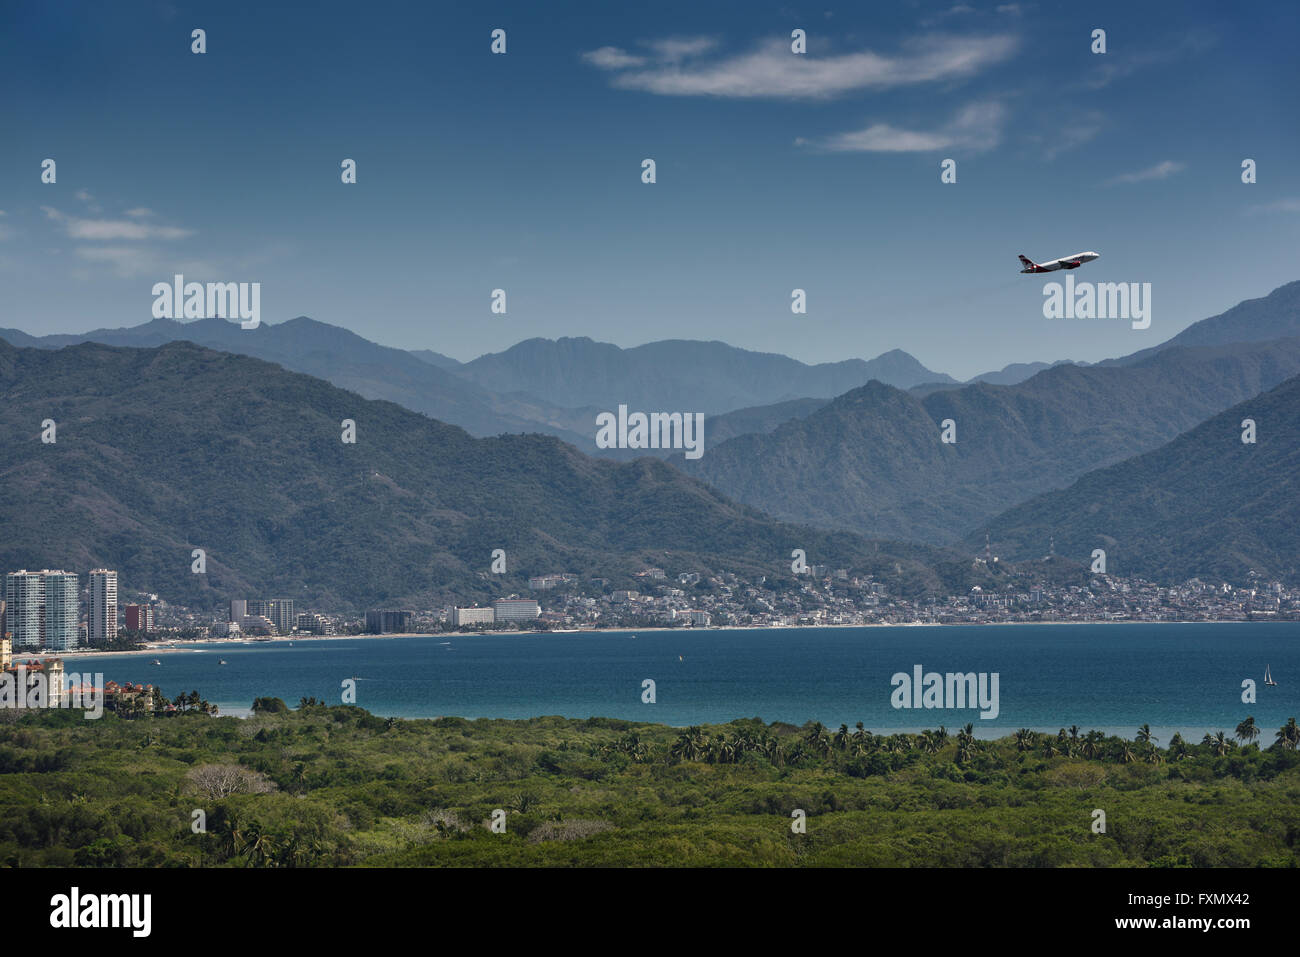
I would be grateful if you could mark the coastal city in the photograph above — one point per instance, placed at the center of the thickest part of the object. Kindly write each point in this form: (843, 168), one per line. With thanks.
(48, 611)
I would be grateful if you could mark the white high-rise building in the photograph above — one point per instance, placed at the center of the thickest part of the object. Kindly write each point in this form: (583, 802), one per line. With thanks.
(101, 619)
(62, 607)
(43, 609)
(25, 607)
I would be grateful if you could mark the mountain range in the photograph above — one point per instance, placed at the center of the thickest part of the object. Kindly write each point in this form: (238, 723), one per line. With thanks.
(1206, 504)
(867, 461)
(872, 460)
(678, 375)
(552, 387)
(161, 451)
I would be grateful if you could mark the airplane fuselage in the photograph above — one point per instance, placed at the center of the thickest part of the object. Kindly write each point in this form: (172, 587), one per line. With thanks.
(1065, 262)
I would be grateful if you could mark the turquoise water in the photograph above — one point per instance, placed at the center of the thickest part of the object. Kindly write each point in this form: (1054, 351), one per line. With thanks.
(1113, 677)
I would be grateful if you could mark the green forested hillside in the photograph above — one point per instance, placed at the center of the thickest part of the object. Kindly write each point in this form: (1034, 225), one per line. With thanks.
(165, 450)
(1206, 504)
(871, 461)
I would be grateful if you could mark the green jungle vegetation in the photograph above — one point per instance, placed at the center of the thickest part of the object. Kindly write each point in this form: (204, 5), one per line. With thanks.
(336, 786)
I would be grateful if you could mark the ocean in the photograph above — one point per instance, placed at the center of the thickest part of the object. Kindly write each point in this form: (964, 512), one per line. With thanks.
(1111, 677)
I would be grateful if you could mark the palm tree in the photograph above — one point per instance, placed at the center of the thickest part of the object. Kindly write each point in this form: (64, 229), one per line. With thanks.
(1049, 748)
(1144, 735)
(861, 731)
(842, 737)
(929, 742)
(258, 847)
(1221, 744)
(689, 745)
(941, 735)
(1288, 736)
(1074, 732)
(1247, 731)
(1025, 740)
(818, 740)
(1126, 753)
(1178, 747)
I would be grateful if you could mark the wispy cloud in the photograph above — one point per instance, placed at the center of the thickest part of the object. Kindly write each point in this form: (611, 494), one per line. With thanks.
(112, 229)
(126, 261)
(139, 211)
(1162, 170)
(1076, 133)
(958, 10)
(612, 58)
(1113, 65)
(977, 126)
(1278, 206)
(130, 262)
(676, 49)
(772, 71)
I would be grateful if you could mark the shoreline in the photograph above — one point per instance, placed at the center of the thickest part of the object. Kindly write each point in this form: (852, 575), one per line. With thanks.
(175, 645)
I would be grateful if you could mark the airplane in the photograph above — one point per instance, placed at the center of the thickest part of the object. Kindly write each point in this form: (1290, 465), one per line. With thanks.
(1065, 262)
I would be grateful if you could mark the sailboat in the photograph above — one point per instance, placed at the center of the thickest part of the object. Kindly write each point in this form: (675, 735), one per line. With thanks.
(1268, 676)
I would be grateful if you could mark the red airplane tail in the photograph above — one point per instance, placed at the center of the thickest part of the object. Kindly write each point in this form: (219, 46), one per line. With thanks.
(1027, 263)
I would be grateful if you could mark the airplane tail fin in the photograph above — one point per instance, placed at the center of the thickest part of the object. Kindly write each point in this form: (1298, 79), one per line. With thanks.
(1029, 264)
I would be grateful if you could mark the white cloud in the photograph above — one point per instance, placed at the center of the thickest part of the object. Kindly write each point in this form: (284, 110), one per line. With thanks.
(139, 211)
(1113, 66)
(676, 49)
(109, 229)
(612, 58)
(1162, 170)
(130, 262)
(773, 71)
(84, 196)
(977, 126)
(1078, 131)
(127, 261)
(1280, 206)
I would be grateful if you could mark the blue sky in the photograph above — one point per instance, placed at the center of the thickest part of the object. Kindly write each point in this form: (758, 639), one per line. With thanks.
(775, 171)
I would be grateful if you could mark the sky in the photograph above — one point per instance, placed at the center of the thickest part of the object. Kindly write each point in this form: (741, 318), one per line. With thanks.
(774, 170)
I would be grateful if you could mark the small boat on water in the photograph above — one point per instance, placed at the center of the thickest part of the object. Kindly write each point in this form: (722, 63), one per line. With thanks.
(1268, 676)
(157, 662)
(222, 661)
